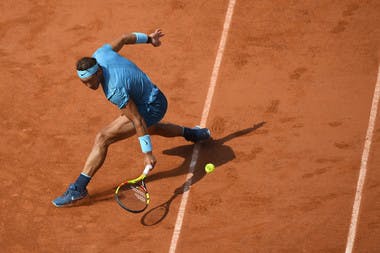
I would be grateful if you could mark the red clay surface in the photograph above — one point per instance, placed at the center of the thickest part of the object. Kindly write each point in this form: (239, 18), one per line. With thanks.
(289, 118)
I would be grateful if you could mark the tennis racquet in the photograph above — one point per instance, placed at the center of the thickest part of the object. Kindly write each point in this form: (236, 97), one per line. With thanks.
(133, 195)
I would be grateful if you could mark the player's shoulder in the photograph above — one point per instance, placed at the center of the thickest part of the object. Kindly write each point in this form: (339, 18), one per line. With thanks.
(106, 48)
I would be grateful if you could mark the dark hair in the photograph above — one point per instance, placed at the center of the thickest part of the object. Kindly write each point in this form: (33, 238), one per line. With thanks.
(86, 63)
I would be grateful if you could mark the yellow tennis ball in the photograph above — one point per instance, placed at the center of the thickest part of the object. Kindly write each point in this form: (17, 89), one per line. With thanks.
(209, 167)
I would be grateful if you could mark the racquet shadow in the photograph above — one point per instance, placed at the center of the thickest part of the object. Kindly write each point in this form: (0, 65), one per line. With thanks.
(213, 150)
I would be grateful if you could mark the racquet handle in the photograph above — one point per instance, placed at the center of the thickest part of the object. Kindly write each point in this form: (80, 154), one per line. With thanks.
(148, 167)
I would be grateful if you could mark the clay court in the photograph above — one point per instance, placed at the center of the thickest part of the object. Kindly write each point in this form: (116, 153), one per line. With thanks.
(290, 117)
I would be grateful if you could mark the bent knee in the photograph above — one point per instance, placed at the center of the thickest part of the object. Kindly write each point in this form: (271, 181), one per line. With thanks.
(103, 139)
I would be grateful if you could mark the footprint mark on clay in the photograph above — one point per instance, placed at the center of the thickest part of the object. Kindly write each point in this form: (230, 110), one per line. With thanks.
(273, 107)
(215, 201)
(287, 119)
(340, 27)
(201, 208)
(297, 73)
(328, 160)
(342, 24)
(298, 125)
(254, 152)
(76, 28)
(232, 173)
(342, 145)
(335, 124)
(178, 4)
(218, 125)
(350, 10)
(44, 60)
(241, 60)
(317, 172)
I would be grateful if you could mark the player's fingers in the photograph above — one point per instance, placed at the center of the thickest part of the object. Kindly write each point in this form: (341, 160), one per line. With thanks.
(159, 32)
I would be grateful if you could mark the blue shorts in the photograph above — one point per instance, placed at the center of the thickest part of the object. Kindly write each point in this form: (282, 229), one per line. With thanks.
(155, 109)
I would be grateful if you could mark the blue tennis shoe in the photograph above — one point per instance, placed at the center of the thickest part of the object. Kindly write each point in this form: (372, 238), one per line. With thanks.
(196, 134)
(70, 196)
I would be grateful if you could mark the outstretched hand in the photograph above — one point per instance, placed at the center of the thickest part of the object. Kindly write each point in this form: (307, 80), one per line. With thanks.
(155, 37)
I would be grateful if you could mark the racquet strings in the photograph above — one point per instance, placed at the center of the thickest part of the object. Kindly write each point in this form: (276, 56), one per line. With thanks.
(132, 197)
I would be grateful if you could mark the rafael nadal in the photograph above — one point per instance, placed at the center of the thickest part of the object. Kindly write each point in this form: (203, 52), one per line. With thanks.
(140, 101)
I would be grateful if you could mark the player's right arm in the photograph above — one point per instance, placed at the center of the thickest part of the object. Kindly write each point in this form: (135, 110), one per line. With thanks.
(131, 112)
(136, 38)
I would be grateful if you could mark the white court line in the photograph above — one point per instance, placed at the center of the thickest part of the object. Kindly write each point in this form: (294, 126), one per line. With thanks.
(206, 110)
(363, 167)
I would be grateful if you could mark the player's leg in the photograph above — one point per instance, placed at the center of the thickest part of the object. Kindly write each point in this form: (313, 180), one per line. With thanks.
(154, 113)
(166, 129)
(119, 129)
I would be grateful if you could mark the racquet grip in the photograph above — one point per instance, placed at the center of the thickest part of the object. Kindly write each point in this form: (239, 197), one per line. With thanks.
(148, 167)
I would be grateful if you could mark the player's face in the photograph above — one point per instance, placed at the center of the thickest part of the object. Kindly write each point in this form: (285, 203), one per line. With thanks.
(93, 81)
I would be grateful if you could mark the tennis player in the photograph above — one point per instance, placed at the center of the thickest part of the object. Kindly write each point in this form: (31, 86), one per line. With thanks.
(140, 101)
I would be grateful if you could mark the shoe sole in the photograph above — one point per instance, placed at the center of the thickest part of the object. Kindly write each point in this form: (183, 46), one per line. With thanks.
(74, 202)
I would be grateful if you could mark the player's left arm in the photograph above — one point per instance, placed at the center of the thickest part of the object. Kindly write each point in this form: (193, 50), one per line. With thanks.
(137, 38)
(131, 112)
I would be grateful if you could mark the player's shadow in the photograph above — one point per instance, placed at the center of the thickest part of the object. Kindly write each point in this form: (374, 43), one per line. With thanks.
(214, 151)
